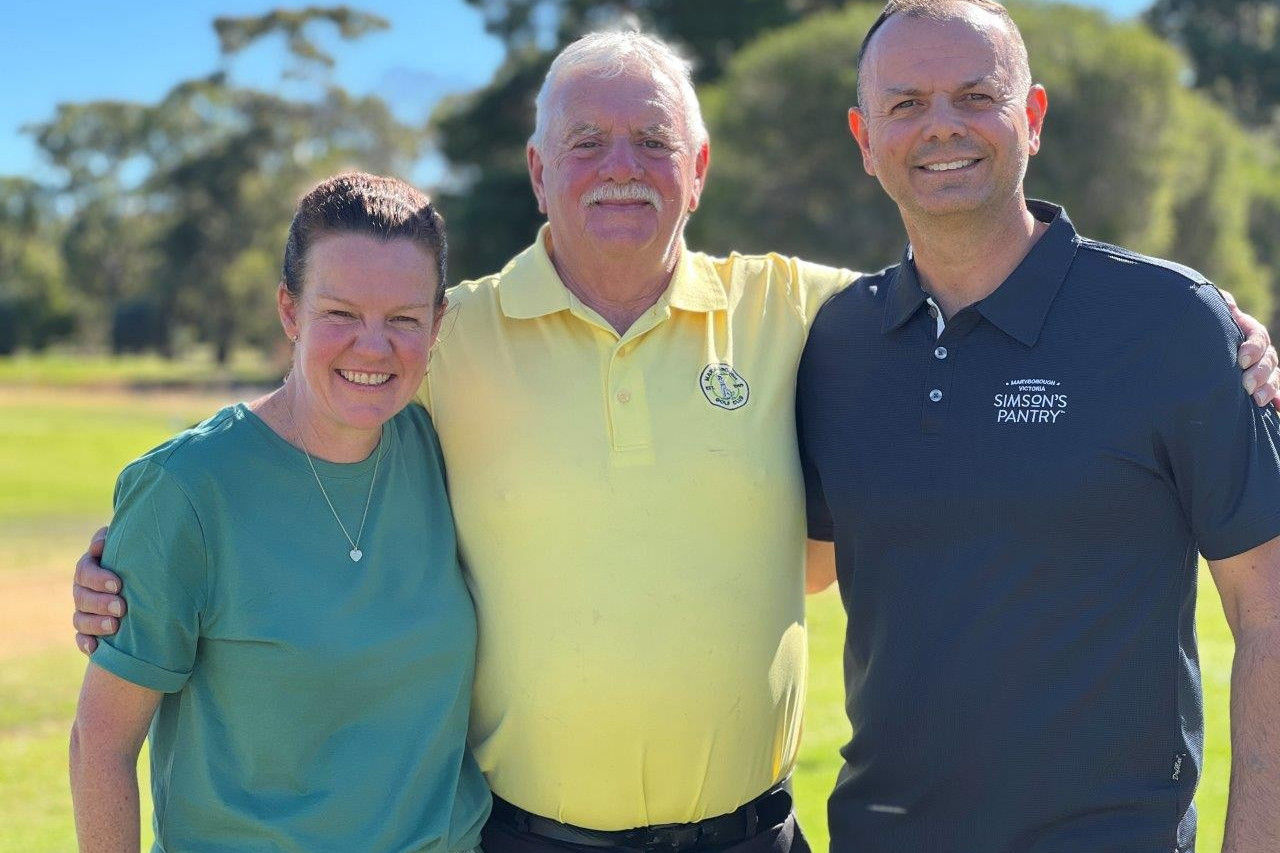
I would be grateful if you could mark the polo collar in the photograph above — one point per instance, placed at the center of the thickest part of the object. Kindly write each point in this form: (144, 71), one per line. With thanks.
(1019, 306)
(531, 287)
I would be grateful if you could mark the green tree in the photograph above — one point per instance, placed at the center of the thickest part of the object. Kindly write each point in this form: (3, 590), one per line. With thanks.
(1234, 47)
(189, 192)
(35, 307)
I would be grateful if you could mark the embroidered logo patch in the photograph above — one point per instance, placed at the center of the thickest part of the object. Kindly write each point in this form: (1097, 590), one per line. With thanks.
(724, 386)
(1030, 401)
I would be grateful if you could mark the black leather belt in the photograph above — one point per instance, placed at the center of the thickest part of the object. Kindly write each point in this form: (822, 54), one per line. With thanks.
(765, 811)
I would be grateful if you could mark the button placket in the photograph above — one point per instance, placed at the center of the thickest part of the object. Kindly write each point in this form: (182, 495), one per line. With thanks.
(937, 389)
(625, 401)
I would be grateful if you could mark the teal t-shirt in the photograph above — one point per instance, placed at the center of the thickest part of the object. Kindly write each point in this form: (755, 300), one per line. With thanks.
(312, 703)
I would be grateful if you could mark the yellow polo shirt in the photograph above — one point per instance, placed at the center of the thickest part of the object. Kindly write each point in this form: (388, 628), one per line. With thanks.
(631, 513)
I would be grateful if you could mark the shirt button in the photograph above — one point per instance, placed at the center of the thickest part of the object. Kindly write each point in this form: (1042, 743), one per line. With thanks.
(624, 396)
(940, 352)
(935, 395)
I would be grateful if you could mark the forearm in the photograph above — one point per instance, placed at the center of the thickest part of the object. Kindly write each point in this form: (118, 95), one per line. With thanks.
(1253, 811)
(104, 793)
(819, 565)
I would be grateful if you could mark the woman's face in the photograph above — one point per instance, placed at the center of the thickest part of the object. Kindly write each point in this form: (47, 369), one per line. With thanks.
(365, 324)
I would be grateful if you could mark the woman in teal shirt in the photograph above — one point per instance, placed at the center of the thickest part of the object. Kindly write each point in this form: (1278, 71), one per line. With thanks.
(300, 642)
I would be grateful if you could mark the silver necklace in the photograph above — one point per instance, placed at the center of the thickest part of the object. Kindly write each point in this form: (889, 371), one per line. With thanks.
(355, 552)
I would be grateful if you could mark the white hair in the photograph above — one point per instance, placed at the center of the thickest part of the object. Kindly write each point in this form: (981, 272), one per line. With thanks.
(610, 54)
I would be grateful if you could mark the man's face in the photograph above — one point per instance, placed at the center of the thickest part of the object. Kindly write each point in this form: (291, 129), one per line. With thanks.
(946, 122)
(618, 174)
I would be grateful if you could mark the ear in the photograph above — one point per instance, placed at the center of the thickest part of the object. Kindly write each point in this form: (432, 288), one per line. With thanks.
(535, 176)
(701, 161)
(1037, 109)
(287, 308)
(858, 127)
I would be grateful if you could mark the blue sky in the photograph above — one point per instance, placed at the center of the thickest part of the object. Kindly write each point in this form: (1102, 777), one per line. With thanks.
(81, 50)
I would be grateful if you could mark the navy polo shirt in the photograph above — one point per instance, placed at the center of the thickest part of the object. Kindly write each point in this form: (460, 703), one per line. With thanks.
(1016, 504)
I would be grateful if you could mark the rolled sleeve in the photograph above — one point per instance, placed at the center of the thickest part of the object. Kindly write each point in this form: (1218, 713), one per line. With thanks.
(140, 672)
(156, 546)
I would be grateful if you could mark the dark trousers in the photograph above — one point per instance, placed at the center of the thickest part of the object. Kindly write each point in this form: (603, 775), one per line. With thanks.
(784, 837)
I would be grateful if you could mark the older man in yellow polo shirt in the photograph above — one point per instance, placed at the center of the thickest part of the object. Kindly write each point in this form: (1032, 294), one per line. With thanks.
(616, 413)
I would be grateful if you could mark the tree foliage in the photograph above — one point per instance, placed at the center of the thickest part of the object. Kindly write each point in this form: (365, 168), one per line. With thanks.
(177, 202)
(1234, 47)
(34, 305)
(237, 33)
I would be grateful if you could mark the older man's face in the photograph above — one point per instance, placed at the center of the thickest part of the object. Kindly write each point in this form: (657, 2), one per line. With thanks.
(618, 174)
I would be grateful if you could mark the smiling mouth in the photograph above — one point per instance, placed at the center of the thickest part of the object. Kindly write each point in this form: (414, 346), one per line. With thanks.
(366, 379)
(950, 165)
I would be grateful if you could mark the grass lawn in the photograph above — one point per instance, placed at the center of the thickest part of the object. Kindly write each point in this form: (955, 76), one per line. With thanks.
(56, 369)
(63, 449)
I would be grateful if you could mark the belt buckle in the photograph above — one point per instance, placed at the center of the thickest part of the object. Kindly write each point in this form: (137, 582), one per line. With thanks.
(671, 836)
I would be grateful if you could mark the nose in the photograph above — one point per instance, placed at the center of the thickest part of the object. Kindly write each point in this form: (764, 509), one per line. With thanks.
(373, 340)
(944, 121)
(621, 162)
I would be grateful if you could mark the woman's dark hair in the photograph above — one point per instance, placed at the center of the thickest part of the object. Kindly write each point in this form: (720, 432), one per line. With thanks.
(359, 203)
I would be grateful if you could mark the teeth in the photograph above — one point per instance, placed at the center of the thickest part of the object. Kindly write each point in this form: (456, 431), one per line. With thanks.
(365, 378)
(947, 167)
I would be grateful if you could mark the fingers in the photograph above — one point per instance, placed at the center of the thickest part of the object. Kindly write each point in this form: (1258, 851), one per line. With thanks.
(86, 644)
(90, 574)
(94, 625)
(1262, 380)
(98, 611)
(97, 542)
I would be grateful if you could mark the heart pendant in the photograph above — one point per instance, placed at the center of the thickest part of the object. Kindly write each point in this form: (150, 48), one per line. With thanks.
(356, 554)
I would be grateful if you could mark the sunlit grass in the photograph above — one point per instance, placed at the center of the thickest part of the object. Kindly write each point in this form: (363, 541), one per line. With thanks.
(196, 368)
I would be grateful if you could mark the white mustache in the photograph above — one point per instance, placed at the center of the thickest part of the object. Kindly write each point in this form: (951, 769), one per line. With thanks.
(623, 192)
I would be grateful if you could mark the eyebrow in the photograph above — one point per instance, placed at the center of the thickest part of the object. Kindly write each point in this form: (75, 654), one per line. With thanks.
(406, 307)
(659, 129)
(912, 90)
(588, 129)
(583, 129)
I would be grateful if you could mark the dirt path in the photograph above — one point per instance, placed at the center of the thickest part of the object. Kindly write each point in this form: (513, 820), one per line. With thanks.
(35, 612)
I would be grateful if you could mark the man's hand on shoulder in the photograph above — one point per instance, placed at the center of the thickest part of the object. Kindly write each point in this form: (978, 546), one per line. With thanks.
(98, 607)
(1257, 357)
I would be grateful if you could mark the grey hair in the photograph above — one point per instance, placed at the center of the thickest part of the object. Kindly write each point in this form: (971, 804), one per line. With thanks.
(610, 54)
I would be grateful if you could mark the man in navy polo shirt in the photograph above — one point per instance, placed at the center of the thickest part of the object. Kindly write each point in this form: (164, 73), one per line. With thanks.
(1017, 483)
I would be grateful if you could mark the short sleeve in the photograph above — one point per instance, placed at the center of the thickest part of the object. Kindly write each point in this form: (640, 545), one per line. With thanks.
(817, 514)
(1223, 452)
(815, 284)
(156, 545)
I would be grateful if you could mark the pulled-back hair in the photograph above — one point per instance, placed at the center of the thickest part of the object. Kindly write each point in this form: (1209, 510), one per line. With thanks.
(947, 10)
(370, 205)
